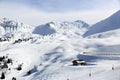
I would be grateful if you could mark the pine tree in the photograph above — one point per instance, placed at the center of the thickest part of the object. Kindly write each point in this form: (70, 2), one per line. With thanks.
(2, 76)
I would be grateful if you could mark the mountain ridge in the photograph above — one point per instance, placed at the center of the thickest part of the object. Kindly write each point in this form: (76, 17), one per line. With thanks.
(60, 27)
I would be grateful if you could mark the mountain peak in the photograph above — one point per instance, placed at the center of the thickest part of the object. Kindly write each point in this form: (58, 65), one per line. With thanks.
(11, 27)
(61, 27)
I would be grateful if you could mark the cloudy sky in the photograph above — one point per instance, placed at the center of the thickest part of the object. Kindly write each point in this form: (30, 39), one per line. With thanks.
(35, 12)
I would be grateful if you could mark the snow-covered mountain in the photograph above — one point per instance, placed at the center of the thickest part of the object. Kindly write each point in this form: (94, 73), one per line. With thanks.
(2, 31)
(11, 27)
(111, 23)
(76, 27)
(42, 57)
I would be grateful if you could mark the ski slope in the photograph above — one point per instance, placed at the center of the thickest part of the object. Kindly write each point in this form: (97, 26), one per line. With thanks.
(46, 52)
(50, 58)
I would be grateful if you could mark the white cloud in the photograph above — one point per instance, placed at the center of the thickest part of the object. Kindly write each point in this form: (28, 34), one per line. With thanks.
(68, 5)
(34, 16)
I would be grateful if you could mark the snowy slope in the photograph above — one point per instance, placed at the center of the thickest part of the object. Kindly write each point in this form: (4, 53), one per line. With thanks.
(111, 23)
(50, 57)
(46, 29)
(76, 27)
(107, 34)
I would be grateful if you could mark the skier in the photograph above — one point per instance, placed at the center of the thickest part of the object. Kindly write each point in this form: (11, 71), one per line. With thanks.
(89, 74)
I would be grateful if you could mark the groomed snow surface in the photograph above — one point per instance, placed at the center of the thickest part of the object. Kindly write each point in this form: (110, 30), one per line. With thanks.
(50, 58)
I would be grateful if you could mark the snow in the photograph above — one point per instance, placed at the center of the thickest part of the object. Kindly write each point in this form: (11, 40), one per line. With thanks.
(44, 30)
(77, 27)
(107, 34)
(1, 31)
(52, 57)
(49, 53)
(14, 28)
(111, 23)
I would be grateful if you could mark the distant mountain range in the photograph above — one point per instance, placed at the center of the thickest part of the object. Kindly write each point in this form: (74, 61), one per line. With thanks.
(11, 27)
(66, 27)
(105, 28)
